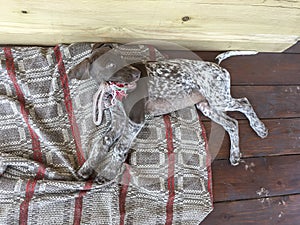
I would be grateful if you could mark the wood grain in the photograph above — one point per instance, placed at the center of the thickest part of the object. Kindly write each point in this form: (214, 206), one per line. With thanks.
(208, 25)
(283, 139)
(271, 101)
(261, 69)
(279, 175)
(282, 210)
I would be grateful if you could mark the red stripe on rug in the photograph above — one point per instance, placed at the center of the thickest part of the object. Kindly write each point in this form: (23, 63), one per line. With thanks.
(79, 200)
(171, 169)
(208, 160)
(10, 67)
(69, 106)
(36, 147)
(30, 186)
(123, 194)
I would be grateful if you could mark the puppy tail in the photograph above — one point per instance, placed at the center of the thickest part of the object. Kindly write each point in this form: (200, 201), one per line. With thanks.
(228, 54)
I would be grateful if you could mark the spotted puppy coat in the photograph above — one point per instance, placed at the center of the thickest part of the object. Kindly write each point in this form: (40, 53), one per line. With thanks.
(170, 78)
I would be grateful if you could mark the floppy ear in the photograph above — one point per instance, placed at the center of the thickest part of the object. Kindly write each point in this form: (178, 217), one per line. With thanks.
(80, 71)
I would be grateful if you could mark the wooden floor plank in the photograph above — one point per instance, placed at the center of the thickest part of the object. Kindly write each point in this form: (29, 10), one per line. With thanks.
(283, 139)
(264, 69)
(271, 101)
(195, 55)
(260, 69)
(256, 177)
(266, 211)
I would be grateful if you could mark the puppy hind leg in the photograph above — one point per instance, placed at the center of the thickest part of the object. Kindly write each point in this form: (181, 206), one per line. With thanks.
(243, 105)
(229, 124)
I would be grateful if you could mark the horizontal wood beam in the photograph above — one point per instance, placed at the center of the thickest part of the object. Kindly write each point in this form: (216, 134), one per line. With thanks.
(199, 25)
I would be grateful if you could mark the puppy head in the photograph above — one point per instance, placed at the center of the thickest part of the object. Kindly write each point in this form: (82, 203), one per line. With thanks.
(105, 64)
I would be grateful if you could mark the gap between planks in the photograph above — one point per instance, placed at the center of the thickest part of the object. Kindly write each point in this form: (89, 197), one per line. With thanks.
(282, 210)
(278, 175)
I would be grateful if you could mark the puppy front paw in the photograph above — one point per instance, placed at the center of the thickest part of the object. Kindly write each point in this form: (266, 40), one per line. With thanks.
(235, 158)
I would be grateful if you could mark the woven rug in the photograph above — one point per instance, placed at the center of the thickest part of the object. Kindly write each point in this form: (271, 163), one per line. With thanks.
(47, 132)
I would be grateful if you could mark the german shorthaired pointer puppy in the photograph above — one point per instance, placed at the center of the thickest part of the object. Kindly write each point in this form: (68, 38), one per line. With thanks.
(170, 85)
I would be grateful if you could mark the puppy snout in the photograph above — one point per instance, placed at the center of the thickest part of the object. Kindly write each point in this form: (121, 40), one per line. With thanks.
(132, 72)
(135, 72)
(127, 74)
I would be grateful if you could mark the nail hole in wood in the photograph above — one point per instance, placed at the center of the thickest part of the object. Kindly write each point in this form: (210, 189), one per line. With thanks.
(185, 18)
(24, 11)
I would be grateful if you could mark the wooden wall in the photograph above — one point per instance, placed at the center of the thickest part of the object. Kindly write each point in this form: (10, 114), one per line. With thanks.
(263, 25)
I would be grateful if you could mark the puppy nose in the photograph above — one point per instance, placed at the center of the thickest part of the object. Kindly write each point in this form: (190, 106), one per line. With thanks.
(136, 73)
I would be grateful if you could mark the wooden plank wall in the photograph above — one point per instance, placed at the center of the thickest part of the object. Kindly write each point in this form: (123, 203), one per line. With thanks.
(268, 25)
(265, 188)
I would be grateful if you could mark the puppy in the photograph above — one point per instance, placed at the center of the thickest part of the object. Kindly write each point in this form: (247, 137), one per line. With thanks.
(170, 85)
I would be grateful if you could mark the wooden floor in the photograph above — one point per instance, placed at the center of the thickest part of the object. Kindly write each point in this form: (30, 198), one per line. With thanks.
(265, 188)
